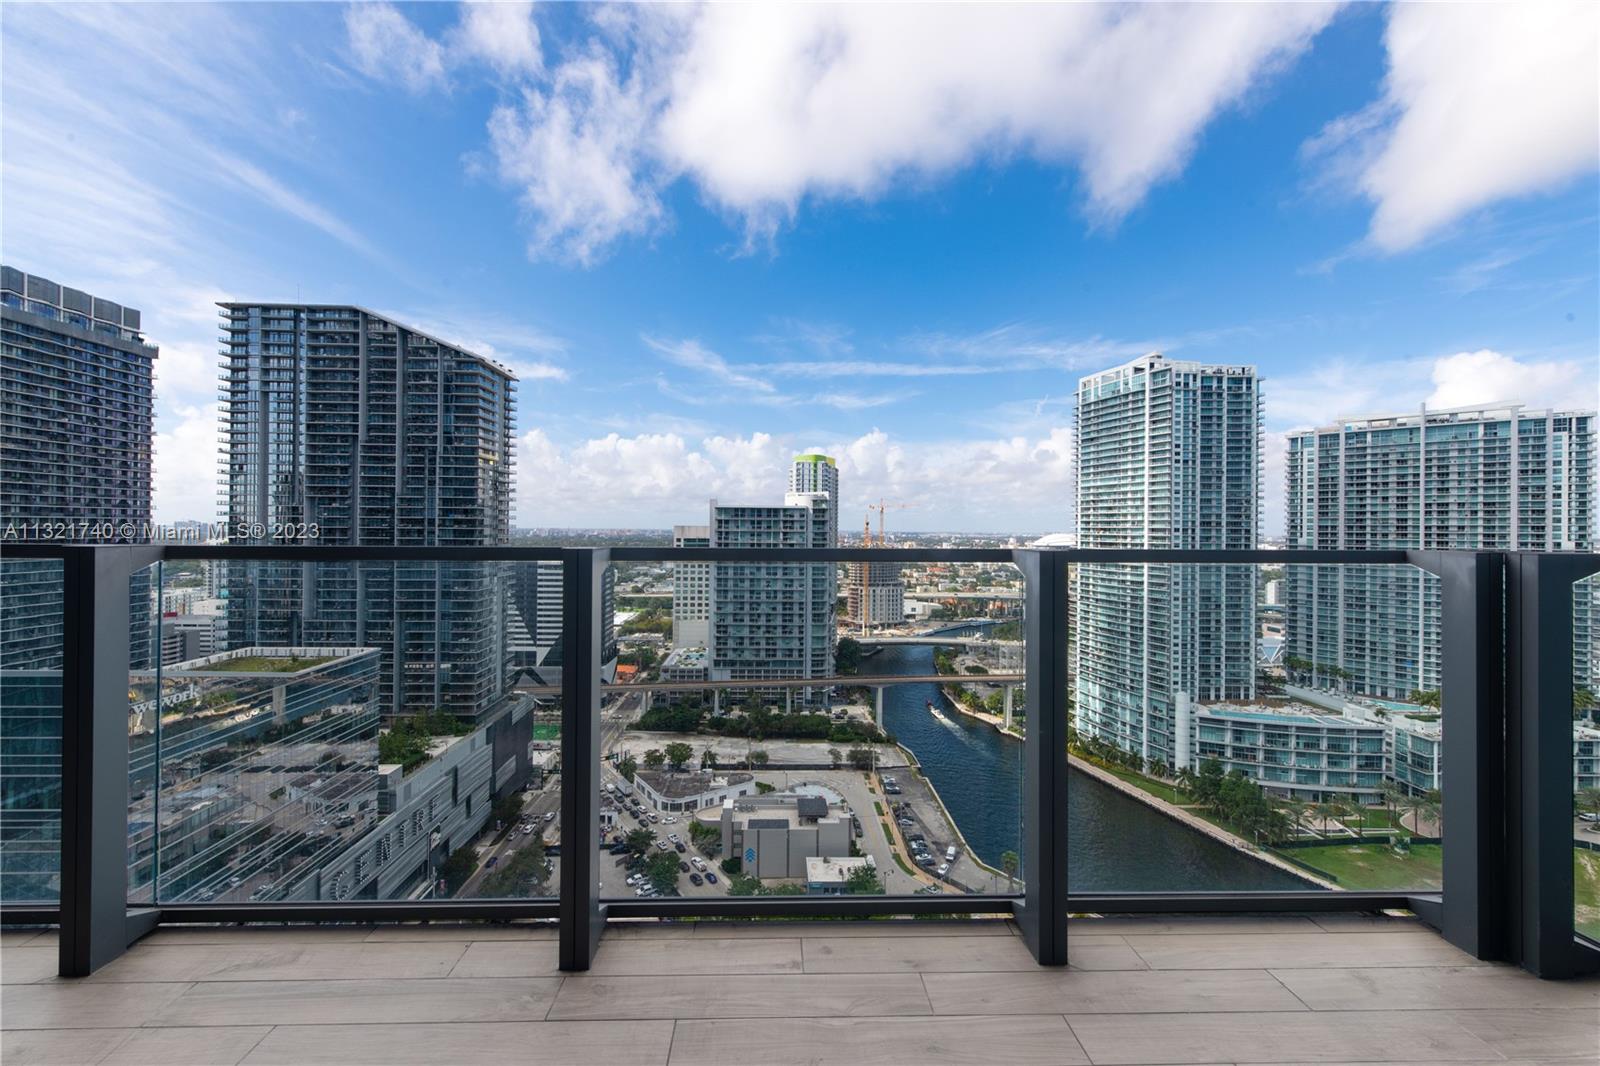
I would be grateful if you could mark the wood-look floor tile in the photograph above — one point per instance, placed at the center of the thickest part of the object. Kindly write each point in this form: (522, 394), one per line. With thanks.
(1190, 924)
(698, 955)
(465, 932)
(62, 1004)
(1041, 991)
(1540, 1033)
(635, 1043)
(58, 1047)
(1014, 1041)
(217, 1045)
(909, 927)
(923, 954)
(371, 1000)
(1397, 1036)
(505, 958)
(24, 965)
(257, 961)
(583, 996)
(1215, 951)
(1434, 987)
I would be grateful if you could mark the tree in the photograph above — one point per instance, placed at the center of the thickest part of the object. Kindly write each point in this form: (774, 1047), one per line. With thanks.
(639, 841)
(525, 873)
(847, 656)
(864, 881)
(708, 758)
(759, 759)
(507, 808)
(860, 758)
(1009, 863)
(835, 756)
(628, 766)
(662, 870)
(704, 836)
(1588, 801)
(1583, 700)
(654, 758)
(678, 755)
(462, 864)
(1428, 697)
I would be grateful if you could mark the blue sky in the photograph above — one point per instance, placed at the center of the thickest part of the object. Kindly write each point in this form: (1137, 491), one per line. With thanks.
(709, 238)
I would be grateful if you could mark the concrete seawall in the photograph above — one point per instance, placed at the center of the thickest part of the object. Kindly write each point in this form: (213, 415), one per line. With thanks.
(1197, 823)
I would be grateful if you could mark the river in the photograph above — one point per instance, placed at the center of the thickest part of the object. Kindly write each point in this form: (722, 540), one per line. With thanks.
(1114, 843)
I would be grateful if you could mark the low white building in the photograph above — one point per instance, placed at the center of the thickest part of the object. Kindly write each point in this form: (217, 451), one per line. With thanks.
(827, 876)
(691, 790)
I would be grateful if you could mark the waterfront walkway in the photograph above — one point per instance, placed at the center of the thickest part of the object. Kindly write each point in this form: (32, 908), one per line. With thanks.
(1282, 989)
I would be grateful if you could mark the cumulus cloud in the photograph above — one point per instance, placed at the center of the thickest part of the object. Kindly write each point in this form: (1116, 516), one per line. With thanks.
(763, 106)
(1481, 102)
(503, 35)
(656, 479)
(386, 46)
(1485, 376)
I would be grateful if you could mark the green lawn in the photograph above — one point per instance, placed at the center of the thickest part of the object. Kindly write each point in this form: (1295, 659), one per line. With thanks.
(1586, 885)
(1375, 866)
(546, 730)
(269, 664)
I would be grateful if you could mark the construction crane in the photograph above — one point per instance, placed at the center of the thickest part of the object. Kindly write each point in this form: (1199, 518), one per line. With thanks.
(864, 569)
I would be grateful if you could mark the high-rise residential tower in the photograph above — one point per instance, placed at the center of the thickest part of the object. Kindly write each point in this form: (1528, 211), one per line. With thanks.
(691, 591)
(377, 435)
(1167, 457)
(76, 412)
(771, 621)
(1496, 478)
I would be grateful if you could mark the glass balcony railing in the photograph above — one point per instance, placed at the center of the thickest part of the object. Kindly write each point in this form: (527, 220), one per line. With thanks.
(343, 734)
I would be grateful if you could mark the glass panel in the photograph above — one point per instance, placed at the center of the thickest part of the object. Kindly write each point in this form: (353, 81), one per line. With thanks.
(151, 611)
(1254, 728)
(1586, 757)
(339, 731)
(859, 784)
(30, 730)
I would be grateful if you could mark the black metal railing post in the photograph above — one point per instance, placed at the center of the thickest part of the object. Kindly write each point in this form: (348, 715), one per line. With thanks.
(1539, 809)
(96, 925)
(1042, 913)
(1472, 913)
(582, 918)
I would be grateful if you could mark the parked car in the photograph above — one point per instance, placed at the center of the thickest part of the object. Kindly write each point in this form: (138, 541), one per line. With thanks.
(944, 869)
(493, 859)
(711, 878)
(696, 879)
(633, 879)
(549, 816)
(699, 863)
(683, 867)
(681, 849)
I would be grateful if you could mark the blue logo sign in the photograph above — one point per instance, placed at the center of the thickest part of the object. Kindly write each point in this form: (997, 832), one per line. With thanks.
(749, 854)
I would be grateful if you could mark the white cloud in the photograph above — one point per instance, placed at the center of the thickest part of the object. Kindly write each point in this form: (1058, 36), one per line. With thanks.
(387, 47)
(1482, 102)
(573, 149)
(1484, 376)
(186, 464)
(502, 34)
(763, 106)
(656, 479)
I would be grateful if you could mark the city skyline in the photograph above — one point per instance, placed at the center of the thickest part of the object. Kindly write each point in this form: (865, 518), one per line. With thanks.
(921, 310)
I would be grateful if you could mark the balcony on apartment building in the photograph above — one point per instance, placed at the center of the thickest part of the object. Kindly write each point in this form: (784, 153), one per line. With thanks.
(234, 852)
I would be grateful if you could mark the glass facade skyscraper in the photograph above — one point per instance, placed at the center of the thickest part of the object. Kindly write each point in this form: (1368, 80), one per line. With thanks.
(76, 411)
(1490, 478)
(1167, 457)
(346, 428)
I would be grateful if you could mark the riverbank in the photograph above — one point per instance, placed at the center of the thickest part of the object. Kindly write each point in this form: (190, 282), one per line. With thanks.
(1195, 822)
(995, 720)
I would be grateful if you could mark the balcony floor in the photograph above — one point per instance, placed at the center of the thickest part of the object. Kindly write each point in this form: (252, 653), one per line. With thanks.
(1283, 989)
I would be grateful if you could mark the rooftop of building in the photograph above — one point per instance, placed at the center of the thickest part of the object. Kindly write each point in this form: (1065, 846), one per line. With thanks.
(686, 659)
(781, 810)
(821, 870)
(240, 305)
(689, 782)
(264, 661)
(1284, 714)
(1491, 412)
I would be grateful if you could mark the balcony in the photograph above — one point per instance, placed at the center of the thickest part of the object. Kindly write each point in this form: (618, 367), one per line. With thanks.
(273, 751)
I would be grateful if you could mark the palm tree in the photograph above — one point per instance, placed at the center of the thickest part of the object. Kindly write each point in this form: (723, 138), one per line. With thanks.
(1009, 863)
(1297, 810)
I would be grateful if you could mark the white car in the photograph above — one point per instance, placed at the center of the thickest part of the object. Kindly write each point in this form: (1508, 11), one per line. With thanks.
(527, 830)
(670, 819)
(944, 868)
(549, 816)
(698, 863)
(634, 879)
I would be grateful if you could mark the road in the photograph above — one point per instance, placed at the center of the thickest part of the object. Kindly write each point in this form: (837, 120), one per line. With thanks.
(535, 805)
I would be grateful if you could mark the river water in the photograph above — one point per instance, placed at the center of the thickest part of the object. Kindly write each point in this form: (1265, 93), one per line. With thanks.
(1114, 844)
